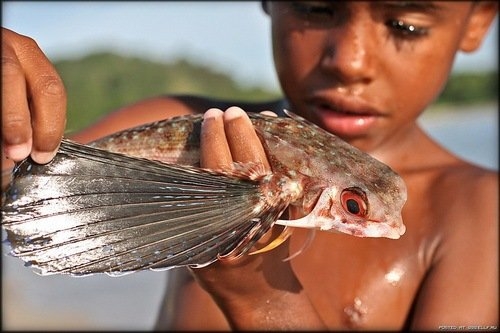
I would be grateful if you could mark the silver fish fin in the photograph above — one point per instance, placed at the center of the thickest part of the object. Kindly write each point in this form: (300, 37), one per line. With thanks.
(91, 211)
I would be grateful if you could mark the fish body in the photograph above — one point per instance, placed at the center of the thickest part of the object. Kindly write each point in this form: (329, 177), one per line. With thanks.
(138, 199)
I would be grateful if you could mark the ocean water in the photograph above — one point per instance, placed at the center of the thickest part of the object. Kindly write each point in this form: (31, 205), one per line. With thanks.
(470, 134)
(131, 302)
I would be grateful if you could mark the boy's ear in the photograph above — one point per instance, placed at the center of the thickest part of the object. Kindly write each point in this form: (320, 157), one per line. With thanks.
(482, 15)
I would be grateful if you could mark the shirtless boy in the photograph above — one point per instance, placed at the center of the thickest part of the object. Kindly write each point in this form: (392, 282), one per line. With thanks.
(364, 71)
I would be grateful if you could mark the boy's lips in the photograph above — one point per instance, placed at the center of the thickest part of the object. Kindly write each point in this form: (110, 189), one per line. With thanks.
(344, 118)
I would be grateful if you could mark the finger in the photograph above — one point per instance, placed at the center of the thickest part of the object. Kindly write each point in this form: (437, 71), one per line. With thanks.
(243, 141)
(48, 106)
(48, 117)
(246, 147)
(47, 99)
(16, 120)
(214, 149)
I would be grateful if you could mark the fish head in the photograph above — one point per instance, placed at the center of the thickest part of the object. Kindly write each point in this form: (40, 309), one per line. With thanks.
(344, 189)
(358, 211)
(365, 199)
(356, 207)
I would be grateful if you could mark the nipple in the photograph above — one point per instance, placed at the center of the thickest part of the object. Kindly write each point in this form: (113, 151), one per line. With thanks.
(355, 313)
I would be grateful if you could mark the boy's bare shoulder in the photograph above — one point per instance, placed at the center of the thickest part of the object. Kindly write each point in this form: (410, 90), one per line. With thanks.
(464, 203)
(468, 183)
(465, 190)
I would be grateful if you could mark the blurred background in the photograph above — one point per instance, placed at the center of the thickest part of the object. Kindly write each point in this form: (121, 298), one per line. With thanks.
(110, 54)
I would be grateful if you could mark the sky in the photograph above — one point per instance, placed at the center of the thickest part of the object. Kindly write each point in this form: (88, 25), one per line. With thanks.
(231, 36)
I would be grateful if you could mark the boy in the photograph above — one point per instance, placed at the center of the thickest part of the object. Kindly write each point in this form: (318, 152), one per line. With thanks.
(364, 71)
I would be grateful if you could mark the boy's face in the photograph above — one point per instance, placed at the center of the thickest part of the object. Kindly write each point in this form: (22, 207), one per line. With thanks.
(365, 71)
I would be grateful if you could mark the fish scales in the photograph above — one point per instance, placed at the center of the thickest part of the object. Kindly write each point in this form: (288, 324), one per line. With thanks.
(137, 199)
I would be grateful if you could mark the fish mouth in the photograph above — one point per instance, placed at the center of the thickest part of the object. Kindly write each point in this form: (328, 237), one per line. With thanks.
(371, 229)
(347, 117)
(376, 229)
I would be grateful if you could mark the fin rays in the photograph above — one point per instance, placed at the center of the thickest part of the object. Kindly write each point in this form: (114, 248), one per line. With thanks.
(92, 211)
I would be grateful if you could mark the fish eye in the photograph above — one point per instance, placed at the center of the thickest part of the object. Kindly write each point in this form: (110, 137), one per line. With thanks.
(354, 202)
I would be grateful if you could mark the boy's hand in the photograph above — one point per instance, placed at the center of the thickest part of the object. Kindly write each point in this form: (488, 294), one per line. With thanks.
(226, 137)
(33, 101)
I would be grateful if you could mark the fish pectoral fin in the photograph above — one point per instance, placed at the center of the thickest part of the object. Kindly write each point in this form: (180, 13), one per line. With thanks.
(282, 237)
(91, 211)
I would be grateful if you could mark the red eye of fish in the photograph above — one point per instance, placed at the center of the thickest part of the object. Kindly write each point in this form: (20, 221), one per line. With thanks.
(354, 202)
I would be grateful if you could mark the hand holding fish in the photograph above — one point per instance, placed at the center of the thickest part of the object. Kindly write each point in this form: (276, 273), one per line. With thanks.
(33, 101)
(260, 281)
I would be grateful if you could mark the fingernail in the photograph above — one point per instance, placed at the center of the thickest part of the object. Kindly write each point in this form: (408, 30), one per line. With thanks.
(212, 113)
(17, 152)
(43, 157)
(233, 112)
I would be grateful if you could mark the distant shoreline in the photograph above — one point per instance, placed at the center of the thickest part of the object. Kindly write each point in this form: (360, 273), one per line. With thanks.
(473, 111)
(470, 132)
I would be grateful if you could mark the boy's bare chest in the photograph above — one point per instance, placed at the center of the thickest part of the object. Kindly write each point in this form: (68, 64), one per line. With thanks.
(359, 282)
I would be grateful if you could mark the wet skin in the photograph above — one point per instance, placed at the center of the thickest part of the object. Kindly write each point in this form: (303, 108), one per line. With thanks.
(364, 71)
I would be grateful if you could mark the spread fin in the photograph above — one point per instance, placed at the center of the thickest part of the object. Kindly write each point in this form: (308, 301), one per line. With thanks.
(91, 211)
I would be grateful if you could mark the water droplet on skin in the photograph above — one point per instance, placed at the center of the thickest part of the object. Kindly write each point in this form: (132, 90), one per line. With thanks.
(355, 312)
(394, 276)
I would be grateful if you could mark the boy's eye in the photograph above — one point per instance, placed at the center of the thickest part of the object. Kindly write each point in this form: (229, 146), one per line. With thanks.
(406, 30)
(311, 10)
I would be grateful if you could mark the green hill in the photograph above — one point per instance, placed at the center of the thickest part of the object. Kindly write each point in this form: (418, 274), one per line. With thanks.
(102, 82)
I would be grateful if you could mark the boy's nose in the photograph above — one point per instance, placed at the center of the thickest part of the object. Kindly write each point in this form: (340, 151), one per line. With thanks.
(350, 53)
